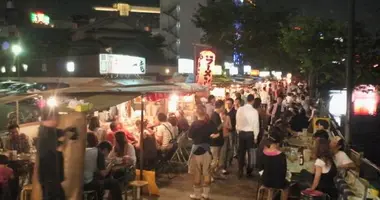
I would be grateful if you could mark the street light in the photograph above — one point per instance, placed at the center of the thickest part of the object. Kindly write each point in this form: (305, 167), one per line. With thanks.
(16, 49)
(70, 66)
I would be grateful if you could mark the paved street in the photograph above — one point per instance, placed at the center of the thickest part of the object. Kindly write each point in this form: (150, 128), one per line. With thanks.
(180, 188)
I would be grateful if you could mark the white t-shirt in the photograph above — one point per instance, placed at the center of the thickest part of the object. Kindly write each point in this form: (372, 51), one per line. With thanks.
(164, 132)
(341, 158)
(264, 97)
(322, 164)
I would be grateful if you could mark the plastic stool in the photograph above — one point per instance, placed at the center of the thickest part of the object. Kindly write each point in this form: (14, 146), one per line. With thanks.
(262, 189)
(313, 195)
(137, 185)
(90, 192)
(26, 190)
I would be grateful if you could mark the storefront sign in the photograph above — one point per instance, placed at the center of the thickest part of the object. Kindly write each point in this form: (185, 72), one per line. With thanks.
(121, 64)
(185, 66)
(39, 18)
(205, 65)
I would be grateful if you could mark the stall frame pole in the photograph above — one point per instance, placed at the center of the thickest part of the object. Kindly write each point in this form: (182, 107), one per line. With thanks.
(17, 112)
(142, 138)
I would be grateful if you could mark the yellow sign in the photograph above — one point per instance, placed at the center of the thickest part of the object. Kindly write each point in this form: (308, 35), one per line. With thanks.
(317, 120)
(255, 72)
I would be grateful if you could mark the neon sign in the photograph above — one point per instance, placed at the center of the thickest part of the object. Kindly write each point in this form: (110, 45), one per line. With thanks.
(39, 18)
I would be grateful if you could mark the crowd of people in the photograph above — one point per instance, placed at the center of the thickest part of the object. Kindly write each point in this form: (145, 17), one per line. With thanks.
(250, 126)
(253, 128)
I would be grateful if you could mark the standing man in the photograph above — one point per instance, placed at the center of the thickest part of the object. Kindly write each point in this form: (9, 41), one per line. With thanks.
(231, 112)
(210, 105)
(248, 128)
(217, 142)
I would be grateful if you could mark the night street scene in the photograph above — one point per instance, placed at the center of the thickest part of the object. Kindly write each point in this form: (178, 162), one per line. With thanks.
(190, 99)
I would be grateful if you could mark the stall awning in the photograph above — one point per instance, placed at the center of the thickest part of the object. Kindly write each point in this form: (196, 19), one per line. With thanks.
(14, 98)
(104, 101)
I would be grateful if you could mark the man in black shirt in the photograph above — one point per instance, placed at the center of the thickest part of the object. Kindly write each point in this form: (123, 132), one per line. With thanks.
(217, 143)
(231, 112)
(201, 131)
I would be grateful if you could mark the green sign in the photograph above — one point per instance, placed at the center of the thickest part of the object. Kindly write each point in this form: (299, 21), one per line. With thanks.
(39, 18)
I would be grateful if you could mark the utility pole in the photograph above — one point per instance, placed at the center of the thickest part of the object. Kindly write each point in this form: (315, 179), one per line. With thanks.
(349, 69)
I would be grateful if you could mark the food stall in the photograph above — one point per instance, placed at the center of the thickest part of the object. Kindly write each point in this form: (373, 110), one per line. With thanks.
(75, 103)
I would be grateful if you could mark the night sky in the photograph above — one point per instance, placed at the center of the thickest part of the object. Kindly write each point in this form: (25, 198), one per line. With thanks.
(367, 10)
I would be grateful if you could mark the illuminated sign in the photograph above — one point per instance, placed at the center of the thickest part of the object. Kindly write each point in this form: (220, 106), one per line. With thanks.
(255, 72)
(247, 69)
(217, 70)
(365, 100)
(205, 65)
(121, 64)
(228, 65)
(264, 73)
(39, 18)
(234, 71)
(185, 66)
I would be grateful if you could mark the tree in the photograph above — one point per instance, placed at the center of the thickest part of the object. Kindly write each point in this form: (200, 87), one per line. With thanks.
(259, 32)
(318, 45)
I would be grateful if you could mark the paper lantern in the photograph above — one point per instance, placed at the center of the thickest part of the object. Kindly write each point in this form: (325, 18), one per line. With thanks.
(205, 65)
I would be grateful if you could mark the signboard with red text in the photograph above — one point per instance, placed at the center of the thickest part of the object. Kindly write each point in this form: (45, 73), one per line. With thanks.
(205, 65)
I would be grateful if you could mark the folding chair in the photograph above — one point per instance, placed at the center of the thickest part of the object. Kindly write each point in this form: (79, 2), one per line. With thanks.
(181, 155)
(164, 163)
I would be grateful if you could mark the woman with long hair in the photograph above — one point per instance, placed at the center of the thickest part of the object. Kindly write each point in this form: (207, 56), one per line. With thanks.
(324, 169)
(94, 126)
(201, 131)
(123, 154)
(149, 148)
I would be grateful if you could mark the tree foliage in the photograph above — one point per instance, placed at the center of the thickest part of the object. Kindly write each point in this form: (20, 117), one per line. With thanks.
(259, 32)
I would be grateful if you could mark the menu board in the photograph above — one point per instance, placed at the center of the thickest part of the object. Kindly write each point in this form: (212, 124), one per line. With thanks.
(121, 64)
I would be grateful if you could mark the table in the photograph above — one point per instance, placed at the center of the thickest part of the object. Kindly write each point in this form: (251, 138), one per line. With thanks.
(299, 142)
(295, 167)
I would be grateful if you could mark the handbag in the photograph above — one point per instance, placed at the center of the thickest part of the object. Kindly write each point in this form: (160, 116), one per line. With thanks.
(172, 141)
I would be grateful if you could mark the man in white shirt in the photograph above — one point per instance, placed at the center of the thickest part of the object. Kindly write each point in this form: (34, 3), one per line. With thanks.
(341, 160)
(264, 96)
(164, 133)
(248, 128)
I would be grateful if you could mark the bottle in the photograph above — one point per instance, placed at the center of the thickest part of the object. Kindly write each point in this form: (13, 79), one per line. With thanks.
(301, 158)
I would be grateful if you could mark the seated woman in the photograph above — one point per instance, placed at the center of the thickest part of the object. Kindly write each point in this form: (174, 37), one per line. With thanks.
(273, 164)
(123, 154)
(324, 169)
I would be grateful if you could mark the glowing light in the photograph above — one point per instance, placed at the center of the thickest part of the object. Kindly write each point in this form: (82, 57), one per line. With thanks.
(167, 71)
(188, 98)
(365, 100)
(264, 73)
(3, 69)
(70, 66)
(25, 67)
(16, 49)
(234, 71)
(218, 92)
(173, 103)
(217, 70)
(39, 18)
(52, 102)
(13, 68)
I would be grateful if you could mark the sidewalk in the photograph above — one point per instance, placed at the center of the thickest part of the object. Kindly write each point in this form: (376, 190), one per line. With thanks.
(232, 188)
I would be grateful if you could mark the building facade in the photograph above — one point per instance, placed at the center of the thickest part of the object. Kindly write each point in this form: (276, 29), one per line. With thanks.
(177, 27)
